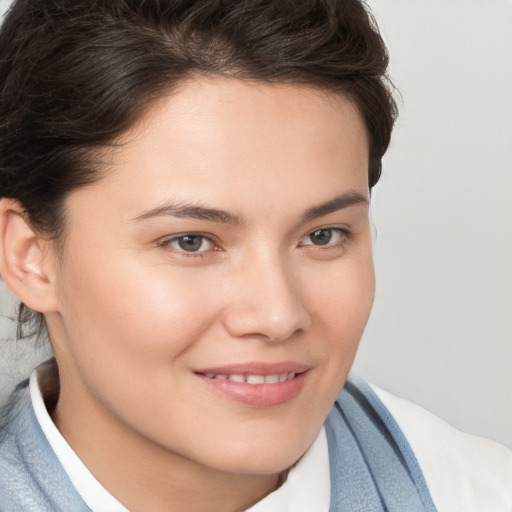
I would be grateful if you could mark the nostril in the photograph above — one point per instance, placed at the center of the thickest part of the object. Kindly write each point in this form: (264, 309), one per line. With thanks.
(274, 328)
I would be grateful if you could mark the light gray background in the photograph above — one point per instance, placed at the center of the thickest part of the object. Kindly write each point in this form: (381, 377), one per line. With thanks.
(441, 330)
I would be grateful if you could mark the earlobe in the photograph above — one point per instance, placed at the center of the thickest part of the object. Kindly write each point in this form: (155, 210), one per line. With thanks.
(25, 265)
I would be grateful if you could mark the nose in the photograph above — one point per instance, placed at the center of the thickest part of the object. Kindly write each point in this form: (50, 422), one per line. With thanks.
(266, 301)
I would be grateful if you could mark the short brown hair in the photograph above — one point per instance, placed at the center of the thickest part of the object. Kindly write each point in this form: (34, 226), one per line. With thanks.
(76, 74)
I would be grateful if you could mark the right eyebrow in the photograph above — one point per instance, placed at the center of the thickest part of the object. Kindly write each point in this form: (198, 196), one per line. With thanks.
(340, 202)
(190, 210)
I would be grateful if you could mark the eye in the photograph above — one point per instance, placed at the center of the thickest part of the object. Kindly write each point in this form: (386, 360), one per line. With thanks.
(324, 237)
(191, 243)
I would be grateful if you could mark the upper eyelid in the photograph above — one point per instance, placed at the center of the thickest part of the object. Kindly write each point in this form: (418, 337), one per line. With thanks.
(343, 229)
(208, 236)
(338, 229)
(168, 242)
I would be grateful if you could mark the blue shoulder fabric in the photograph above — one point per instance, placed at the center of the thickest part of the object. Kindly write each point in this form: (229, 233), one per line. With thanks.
(373, 468)
(31, 477)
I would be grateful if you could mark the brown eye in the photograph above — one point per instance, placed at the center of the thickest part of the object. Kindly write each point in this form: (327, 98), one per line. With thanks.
(328, 237)
(321, 236)
(191, 243)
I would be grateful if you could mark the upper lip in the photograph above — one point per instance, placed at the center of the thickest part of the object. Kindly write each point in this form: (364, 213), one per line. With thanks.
(256, 368)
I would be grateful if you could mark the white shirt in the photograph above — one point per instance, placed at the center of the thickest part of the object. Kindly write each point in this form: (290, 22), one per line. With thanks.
(464, 473)
(307, 487)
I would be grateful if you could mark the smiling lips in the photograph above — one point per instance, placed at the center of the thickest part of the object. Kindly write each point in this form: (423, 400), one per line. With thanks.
(259, 385)
(253, 379)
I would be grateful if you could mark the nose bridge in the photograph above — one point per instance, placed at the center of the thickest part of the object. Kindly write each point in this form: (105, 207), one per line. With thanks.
(267, 300)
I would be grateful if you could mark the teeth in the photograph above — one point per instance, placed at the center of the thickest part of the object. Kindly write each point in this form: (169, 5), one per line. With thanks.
(237, 378)
(253, 379)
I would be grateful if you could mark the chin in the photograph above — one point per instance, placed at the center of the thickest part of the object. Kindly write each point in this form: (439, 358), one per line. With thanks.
(266, 458)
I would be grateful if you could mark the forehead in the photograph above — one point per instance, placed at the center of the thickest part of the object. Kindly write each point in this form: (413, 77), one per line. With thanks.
(238, 142)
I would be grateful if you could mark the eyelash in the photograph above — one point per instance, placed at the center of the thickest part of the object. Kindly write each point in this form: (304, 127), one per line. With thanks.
(344, 234)
(190, 254)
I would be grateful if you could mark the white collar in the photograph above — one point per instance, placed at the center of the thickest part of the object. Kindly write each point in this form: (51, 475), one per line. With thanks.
(307, 487)
(92, 492)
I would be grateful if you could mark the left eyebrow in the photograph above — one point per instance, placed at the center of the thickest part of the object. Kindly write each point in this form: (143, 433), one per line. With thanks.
(338, 203)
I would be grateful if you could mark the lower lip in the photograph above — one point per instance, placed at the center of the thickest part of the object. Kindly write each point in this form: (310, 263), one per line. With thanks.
(258, 395)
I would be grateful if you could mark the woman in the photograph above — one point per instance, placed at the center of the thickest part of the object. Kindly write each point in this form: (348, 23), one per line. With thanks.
(185, 194)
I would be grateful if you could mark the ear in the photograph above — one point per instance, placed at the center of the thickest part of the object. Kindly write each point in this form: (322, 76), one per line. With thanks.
(26, 259)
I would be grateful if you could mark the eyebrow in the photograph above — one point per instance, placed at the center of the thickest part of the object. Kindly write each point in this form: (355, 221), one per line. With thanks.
(202, 212)
(194, 211)
(338, 203)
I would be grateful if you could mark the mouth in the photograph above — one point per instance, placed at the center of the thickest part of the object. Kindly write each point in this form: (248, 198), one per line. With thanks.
(258, 385)
(253, 379)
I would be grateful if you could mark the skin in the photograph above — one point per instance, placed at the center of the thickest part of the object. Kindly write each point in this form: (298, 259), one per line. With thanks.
(135, 316)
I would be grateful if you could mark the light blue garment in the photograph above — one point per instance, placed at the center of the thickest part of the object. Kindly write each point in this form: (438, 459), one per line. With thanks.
(31, 477)
(373, 468)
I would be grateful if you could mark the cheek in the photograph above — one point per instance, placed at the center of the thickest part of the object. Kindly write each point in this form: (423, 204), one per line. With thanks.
(343, 297)
(133, 311)
(342, 307)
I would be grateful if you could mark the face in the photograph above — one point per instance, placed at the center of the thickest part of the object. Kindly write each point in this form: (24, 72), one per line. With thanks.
(215, 284)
